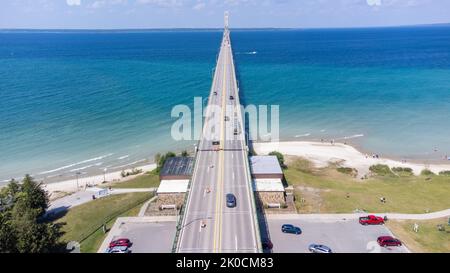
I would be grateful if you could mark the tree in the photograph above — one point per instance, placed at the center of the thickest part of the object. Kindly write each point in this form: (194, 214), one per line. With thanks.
(162, 159)
(22, 226)
(34, 196)
(280, 158)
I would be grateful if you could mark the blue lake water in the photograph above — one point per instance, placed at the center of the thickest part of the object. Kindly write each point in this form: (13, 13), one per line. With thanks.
(84, 101)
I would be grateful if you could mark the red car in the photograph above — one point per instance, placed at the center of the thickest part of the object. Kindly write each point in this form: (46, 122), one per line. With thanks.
(388, 241)
(371, 220)
(120, 242)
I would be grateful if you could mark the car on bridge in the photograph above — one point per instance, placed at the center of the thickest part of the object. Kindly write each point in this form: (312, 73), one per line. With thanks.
(371, 220)
(231, 200)
(231, 98)
(384, 241)
(291, 229)
(315, 248)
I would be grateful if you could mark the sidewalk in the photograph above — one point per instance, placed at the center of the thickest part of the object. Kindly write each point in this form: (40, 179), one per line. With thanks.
(85, 196)
(352, 216)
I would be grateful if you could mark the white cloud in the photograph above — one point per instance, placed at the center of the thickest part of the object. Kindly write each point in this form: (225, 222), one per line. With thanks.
(199, 6)
(163, 3)
(73, 2)
(374, 2)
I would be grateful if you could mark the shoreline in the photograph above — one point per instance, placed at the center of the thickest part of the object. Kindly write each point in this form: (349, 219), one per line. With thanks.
(70, 186)
(322, 154)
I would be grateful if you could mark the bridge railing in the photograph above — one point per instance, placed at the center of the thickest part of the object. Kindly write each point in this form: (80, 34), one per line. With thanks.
(247, 164)
(181, 215)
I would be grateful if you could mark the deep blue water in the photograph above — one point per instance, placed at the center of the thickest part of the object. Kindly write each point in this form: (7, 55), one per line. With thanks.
(85, 101)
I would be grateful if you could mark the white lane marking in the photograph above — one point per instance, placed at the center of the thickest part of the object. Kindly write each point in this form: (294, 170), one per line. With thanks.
(233, 175)
(235, 241)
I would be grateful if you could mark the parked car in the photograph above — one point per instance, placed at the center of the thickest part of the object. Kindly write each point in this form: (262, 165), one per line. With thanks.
(120, 249)
(388, 241)
(371, 220)
(120, 242)
(231, 200)
(267, 244)
(291, 229)
(315, 248)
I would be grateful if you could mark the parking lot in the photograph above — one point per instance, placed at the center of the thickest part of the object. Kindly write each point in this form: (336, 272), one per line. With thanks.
(342, 236)
(148, 234)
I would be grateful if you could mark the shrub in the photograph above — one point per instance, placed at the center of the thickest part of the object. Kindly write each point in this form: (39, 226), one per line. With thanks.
(280, 158)
(445, 173)
(427, 172)
(349, 171)
(133, 172)
(379, 169)
(403, 171)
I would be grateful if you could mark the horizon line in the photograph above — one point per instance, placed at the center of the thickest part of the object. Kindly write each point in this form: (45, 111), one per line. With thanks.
(219, 28)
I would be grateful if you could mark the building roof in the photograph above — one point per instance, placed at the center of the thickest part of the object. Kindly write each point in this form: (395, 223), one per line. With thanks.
(265, 165)
(267, 185)
(173, 186)
(178, 166)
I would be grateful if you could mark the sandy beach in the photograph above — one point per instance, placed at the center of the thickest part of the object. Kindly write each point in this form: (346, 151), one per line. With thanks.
(321, 154)
(71, 185)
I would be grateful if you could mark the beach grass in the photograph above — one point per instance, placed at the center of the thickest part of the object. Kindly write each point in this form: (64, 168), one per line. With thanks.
(83, 223)
(428, 239)
(147, 180)
(326, 190)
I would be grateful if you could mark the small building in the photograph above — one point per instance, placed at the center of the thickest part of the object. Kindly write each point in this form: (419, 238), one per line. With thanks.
(177, 168)
(172, 192)
(265, 167)
(269, 191)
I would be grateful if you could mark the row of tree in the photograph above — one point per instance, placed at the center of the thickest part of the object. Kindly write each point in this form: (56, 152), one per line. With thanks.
(23, 228)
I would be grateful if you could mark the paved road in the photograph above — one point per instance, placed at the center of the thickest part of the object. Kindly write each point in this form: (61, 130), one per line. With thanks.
(221, 169)
(82, 197)
(148, 234)
(342, 236)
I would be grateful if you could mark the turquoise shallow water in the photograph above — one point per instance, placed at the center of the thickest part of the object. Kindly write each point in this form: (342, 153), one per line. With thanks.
(79, 102)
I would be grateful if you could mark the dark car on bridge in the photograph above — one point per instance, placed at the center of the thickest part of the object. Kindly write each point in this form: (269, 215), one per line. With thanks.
(291, 229)
(231, 200)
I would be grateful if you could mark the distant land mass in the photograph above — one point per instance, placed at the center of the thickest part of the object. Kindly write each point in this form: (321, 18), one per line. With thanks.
(56, 30)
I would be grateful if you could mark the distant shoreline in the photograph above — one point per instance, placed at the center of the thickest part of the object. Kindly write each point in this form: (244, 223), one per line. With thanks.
(129, 30)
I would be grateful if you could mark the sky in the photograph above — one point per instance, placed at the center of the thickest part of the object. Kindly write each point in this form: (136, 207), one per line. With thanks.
(126, 14)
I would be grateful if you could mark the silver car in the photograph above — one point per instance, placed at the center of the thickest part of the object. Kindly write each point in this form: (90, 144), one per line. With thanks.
(315, 248)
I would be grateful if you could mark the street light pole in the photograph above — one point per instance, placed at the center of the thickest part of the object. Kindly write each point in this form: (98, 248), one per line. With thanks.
(104, 175)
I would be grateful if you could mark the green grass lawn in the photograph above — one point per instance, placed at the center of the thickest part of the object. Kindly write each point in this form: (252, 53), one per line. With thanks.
(427, 240)
(83, 220)
(325, 191)
(147, 180)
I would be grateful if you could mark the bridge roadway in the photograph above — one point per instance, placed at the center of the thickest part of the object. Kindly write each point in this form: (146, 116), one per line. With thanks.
(208, 224)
